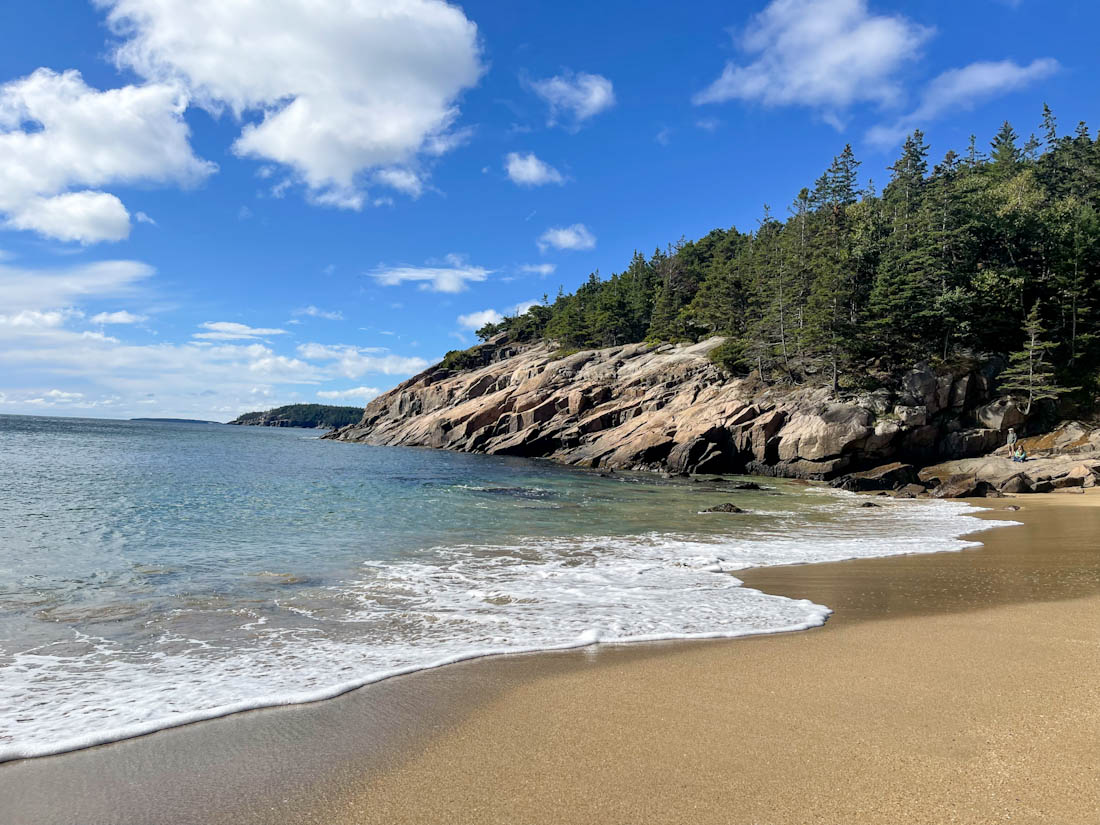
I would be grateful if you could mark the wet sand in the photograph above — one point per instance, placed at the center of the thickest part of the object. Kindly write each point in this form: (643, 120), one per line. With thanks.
(957, 687)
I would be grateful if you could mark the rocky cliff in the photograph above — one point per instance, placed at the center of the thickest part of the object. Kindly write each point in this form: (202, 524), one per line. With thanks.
(670, 408)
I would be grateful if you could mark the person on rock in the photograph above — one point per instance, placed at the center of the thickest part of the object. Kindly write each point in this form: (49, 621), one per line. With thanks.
(1012, 439)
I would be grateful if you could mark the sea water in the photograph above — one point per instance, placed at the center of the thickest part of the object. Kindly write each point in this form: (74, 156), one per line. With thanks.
(153, 574)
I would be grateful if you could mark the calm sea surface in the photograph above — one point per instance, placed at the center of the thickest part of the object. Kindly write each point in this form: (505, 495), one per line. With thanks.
(153, 574)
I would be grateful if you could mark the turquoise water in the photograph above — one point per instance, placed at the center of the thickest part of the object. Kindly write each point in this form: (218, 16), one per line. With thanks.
(152, 574)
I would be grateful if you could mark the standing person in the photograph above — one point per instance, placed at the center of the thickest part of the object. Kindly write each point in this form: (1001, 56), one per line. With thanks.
(1012, 439)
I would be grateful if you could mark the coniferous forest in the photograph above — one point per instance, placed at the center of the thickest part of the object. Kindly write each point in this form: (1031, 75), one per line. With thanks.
(985, 252)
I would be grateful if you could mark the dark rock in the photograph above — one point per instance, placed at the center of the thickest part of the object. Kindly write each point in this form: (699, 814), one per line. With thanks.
(964, 486)
(1011, 507)
(911, 491)
(887, 477)
(869, 504)
(745, 485)
(1019, 483)
(725, 508)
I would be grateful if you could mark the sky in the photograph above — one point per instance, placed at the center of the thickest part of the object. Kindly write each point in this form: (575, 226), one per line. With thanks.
(216, 206)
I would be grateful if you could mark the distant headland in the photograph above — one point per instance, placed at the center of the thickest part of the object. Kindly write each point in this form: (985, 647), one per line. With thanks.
(302, 415)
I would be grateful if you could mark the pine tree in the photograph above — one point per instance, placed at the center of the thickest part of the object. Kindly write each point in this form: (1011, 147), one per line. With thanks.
(1030, 374)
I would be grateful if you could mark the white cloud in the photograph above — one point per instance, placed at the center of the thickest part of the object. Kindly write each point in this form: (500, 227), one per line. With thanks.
(452, 278)
(528, 170)
(402, 180)
(29, 318)
(354, 394)
(120, 317)
(232, 331)
(476, 320)
(577, 97)
(572, 237)
(963, 89)
(44, 289)
(58, 134)
(55, 397)
(342, 88)
(352, 362)
(85, 217)
(539, 269)
(314, 312)
(825, 54)
(522, 307)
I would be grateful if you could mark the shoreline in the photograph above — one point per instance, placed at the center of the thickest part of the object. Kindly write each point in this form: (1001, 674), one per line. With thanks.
(396, 721)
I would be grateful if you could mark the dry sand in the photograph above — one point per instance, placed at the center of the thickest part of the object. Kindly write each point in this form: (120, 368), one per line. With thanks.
(971, 698)
(958, 687)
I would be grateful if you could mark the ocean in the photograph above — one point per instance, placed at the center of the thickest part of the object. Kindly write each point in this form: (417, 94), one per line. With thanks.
(155, 574)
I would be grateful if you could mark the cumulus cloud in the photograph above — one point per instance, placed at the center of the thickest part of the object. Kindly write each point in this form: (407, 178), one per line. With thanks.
(961, 90)
(454, 277)
(58, 135)
(354, 394)
(824, 54)
(352, 362)
(232, 331)
(314, 312)
(573, 237)
(341, 89)
(575, 98)
(49, 288)
(528, 170)
(120, 317)
(476, 320)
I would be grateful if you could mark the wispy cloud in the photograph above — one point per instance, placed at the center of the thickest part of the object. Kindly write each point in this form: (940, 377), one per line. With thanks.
(232, 331)
(455, 277)
(354, 394)
(314, 312)
(961, 90)
(539, 269)
(120, 317)
(353, 362)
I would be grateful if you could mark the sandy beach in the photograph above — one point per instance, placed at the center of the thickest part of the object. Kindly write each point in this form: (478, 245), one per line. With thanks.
(959, 687)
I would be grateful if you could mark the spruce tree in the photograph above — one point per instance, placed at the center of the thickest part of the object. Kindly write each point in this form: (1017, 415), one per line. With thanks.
(1030, 375)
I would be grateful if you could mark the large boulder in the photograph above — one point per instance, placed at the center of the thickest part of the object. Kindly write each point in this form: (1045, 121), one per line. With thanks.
(836, 429)
(1000, 415)
(920, 387)
(967, 443)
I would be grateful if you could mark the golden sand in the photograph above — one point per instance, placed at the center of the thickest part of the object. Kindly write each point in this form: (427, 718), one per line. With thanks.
(952, 688)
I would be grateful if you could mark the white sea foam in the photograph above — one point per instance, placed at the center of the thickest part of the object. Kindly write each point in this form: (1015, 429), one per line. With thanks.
(449, 604)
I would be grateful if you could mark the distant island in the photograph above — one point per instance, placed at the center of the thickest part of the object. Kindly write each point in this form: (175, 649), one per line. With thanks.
(175, 421)
(301, 415)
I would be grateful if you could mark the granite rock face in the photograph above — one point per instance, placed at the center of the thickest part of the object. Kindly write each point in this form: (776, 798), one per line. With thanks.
(670, 408)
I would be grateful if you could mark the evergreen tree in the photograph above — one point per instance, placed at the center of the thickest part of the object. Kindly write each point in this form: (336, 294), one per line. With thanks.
(1030, 374)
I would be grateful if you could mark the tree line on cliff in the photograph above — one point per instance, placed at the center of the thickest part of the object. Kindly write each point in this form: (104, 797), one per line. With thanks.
(992, 252)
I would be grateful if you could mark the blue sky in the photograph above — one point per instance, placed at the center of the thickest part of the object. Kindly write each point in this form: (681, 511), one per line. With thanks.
(224, 205)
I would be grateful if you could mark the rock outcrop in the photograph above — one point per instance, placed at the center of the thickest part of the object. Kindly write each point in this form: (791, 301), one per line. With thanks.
(670, 408)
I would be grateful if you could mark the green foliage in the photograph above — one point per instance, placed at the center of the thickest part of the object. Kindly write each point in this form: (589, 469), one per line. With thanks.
(1030, 375)
(463, 359)
(302, 415)
(946, 261)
